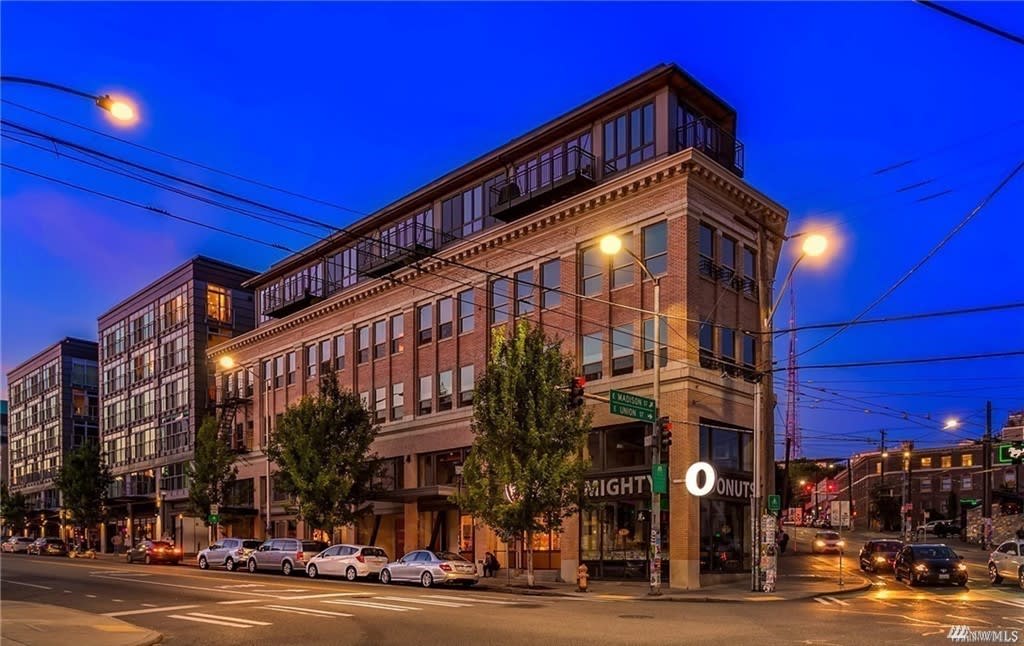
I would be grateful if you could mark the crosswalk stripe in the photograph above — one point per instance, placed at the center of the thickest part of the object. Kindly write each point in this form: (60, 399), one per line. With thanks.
(144, 611)
(469, 600)
(236, 619)
(446, 604)
(370, 604)
(211, 621)
(238, 601)
(1010, 602)
(308, 611)
(324, 596)
(821, 601)
(839, 601)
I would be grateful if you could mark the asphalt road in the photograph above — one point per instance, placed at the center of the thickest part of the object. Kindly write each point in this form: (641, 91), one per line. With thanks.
(190, 606)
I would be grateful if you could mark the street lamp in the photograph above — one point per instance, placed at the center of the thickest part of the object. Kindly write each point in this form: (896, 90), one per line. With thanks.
(119, 109)
(227, 362)
(814, 245)
(611, 245)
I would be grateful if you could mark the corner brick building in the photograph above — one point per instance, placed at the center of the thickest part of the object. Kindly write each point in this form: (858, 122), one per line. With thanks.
(403, 305)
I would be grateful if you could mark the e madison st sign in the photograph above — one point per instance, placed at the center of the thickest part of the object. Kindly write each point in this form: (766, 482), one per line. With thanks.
(639, 484)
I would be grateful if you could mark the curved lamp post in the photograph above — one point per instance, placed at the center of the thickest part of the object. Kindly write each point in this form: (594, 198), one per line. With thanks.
(118, 108)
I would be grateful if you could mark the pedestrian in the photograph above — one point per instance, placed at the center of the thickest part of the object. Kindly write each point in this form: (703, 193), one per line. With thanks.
(783, 542)
(491, 565)
(116, 542)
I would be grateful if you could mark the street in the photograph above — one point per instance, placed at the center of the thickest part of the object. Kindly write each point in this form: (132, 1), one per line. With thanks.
(188, 605)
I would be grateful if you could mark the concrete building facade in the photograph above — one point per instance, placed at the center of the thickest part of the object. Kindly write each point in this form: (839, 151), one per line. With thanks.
(403, 305)
(155, 387)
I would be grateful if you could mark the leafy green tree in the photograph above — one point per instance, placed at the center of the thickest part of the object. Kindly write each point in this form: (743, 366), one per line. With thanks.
(15, 509)
(526, 470)
(212, 472)
(322, 451)
(83, 481)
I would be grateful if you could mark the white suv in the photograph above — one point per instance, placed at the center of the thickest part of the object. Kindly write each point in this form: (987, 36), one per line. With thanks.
(1007, 562)
(231, 553)
(349, 561)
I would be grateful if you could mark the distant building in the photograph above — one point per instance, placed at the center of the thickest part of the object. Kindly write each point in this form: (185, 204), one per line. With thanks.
(4, 459)
(54, 408)
(1014, 429)
(155, 389)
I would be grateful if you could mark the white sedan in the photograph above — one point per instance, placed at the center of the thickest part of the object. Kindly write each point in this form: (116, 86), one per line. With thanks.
(349, 561)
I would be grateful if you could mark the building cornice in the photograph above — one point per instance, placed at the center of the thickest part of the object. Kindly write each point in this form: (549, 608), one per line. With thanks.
(687, 163)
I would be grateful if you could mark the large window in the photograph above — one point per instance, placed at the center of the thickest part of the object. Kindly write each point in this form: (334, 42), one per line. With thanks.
(425, 323)
(380, 339)
(467, 383)
(500, 295)
(728, 261)
(593, 356)
(426, 395)
(618, 448)
(655, 251)
(551, 279)
(397, 401)
(622, 350)
(397, 333)
(749, 350)
(592, 266)
(444, 390)
(339, 352)
(468, 212)
(629, 138)
(728, 342)
(218, 303)
(649, 343)
(622, 263)
(726, 448)
(279, 371)
(364, 344)
(466, 311)
(749, 271)
(524, 292)
(707, 340)
(707, 251)
(311, 362)
(292, 367)
(380, 405)
(444, 318)
(439, 468)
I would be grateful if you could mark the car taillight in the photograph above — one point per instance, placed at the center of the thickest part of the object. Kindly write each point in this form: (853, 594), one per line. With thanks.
(361, 559)
(445, 567)
(298, 556)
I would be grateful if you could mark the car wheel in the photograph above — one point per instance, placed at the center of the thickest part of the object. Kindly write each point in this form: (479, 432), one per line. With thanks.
(203, 563)
(993, 574)
(149, 559)
(286, 568)
(385, 577)
(311, 571)
(896, 573)
(427, 579)
(1020, 578)
(229, 565)
(251, 566)
(350, 574)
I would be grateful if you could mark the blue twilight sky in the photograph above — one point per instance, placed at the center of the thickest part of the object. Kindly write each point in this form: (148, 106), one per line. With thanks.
(359, 104)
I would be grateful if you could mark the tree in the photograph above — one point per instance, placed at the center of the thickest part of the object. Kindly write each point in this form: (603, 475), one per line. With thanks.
(83, 481)
(322, 451)
(14, 508)
(212, 472)
(526, 470)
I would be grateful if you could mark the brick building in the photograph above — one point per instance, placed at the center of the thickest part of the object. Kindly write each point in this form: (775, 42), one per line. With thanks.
(54, 408)
(155, 389)
(404, 303)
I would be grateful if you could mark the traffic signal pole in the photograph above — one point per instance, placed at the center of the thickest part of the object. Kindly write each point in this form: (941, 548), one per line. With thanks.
(656, 449)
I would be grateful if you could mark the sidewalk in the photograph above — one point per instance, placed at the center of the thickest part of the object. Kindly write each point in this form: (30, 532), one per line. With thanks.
(35, 623)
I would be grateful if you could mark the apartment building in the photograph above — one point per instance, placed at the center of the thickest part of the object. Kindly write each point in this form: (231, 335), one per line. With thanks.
(403, 305)
(155, 386)
(4, 447)
(54, 408)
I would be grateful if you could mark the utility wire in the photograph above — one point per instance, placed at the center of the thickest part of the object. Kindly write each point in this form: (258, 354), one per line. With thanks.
(896, 362)
(893, 319)
(972, 21)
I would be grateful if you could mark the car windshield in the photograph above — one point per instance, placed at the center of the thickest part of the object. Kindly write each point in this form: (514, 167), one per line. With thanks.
(313, 546)
(828, 535)
(933, 552)
(373, 551)
(448, 556)
(161, 544)
(888, 547)
(251, 545)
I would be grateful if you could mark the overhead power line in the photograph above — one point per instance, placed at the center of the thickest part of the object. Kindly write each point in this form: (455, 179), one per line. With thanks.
(901, 317)
(898, 362)
(972, 21)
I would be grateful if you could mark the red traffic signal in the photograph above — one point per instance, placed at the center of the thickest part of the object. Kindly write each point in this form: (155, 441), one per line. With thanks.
(664, 432)
(576, 394)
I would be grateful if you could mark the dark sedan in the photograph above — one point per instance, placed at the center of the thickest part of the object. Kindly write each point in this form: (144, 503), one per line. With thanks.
(879, 555)
(929, 563)
(154, 552)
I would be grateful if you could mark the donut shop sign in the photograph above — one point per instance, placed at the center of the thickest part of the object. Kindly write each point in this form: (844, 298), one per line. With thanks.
(701, 480)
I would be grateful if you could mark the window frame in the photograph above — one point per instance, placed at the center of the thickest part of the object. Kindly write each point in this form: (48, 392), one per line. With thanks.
(467, 311)
(551, 296)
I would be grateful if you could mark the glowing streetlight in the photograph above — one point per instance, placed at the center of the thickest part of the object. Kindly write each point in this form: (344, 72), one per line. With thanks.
(611, 245)
(815, 245)
(951, 423)
(120, 109)
(227, 362)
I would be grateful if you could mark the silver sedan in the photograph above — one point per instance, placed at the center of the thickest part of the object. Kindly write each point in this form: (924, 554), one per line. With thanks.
(429, 568)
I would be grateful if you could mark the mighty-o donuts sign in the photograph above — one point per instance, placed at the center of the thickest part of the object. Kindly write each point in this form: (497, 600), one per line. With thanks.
(693, 478)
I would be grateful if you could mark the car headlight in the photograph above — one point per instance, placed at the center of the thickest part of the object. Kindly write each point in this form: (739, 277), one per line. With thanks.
(921, 567)
(880, 559)
(961, 567)
(841, 543)
(819, 543)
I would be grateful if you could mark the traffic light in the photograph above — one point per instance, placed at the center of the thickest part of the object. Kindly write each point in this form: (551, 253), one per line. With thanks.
(576, 392)
(831, 487)
(664, 433)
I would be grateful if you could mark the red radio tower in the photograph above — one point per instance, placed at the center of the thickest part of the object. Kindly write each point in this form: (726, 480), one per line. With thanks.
(792, 429)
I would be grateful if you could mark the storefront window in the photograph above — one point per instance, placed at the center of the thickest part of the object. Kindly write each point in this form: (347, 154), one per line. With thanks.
(624, 447)
(725, 512)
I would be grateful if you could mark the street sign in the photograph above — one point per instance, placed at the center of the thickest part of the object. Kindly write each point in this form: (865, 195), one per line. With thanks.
(630, 405)
(213, 519)
(659, 478)
(1010, 453)
(214, 508)
(774, 502)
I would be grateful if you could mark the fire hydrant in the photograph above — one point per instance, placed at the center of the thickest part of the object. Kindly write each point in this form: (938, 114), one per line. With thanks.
(581, 578)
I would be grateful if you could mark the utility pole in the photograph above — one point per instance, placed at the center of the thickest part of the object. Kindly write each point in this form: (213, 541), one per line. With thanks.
(986, 498)
(785, 493)
(882, 455)
(849, 488)
(907, 448)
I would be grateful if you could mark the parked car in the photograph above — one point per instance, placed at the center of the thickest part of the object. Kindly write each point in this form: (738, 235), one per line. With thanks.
(154, 552)
(827, 542)
(878, 555)
(48, 546)
(929, 563)
(284, 554)
(229, 553)
(428, 568)
(349, 561)
(17, 544)
(1007, 561)
(947, 528)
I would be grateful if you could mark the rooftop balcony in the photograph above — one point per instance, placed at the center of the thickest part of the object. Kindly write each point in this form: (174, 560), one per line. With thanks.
(709, 138)
(297, 293)
(538, 185)
(397, 247)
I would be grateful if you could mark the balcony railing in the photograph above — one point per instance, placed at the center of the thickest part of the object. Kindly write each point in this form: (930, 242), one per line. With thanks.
(539, 184)
(396, 247)
(709, 138)
(295, 294)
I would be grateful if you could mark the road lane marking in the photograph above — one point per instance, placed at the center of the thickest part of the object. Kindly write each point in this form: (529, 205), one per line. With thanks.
(30, 585)
(839, 601)
(1010, 602)
(469, 600)
(92, 596)
(323, 596)
(148, 605)
(308, 611)
(118, 600)
(241, 585)
(190, 587)
(820, 600)
(125, 613)
(446, 604)
(370, 604)
(235, 619)
(211, 621)
(236, 601)
(970, 619)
